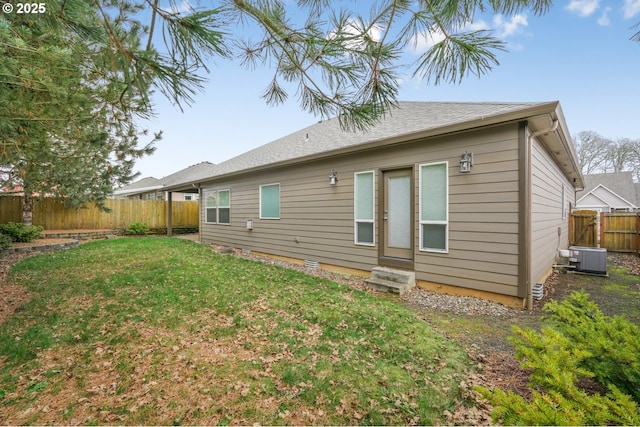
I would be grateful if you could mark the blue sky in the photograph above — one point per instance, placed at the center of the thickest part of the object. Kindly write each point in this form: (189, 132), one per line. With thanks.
(579, 53)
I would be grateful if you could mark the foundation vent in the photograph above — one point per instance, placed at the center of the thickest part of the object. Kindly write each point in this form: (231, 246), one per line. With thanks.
(312, 265)
(537, 291)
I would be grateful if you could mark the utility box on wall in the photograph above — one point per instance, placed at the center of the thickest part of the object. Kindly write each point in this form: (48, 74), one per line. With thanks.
(588, 260)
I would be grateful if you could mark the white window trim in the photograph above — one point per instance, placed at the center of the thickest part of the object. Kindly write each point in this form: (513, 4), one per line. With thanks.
(279, 200)
(217, 208)
(373, 209)
(427, 222)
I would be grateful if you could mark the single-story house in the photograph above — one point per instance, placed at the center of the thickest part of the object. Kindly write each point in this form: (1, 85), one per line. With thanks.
(147, 188)
(471, 197)
(609, 192)
(151, 188)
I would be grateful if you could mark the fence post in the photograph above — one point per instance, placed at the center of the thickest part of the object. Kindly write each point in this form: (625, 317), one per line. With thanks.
(638, 233)
(602, 230)
(169, 213)
(571, 230)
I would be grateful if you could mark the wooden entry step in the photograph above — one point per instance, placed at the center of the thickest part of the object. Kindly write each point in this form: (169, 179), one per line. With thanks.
(387, 279)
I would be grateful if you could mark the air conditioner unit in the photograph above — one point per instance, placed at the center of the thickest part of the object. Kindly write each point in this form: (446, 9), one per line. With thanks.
(588, 260)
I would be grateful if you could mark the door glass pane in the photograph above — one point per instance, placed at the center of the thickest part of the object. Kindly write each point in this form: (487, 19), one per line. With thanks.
(399, 215)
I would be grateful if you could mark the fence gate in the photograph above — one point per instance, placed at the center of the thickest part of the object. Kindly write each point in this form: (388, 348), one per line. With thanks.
(583, 226)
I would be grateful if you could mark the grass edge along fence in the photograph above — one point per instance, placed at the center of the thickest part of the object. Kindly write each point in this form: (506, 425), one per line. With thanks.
(51, 213)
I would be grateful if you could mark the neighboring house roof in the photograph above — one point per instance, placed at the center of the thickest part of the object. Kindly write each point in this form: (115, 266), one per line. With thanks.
(411, 120)
(192, 173)
(144, 185)
(148, 184)
(603, 197)
(619, 183)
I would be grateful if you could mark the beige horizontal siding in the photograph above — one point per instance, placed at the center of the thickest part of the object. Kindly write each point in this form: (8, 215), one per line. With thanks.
(316, 219)
(546, 217)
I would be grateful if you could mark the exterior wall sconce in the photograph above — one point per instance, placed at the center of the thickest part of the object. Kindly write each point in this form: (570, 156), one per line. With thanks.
(333, 178)
(249, 224)
(466, 162)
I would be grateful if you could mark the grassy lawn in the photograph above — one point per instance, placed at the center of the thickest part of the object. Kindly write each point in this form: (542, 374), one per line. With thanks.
(165, 331)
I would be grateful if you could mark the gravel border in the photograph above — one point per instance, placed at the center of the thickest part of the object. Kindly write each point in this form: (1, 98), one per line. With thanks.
(418, 297)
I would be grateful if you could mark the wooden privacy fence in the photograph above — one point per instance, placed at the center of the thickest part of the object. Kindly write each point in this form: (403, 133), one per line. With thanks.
(53, 215)
(619, 231)
(616, 231)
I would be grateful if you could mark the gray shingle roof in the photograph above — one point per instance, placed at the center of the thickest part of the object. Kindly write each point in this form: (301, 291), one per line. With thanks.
(328, 137)
(620, 183)
(410, 120)
(146, 182)
(190, 174)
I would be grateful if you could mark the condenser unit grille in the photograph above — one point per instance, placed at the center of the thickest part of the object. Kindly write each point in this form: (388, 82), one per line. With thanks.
(589, 260)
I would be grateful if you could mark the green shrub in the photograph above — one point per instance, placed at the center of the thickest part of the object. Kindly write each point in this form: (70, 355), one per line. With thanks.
(578, 343)
(5, 241)
(613, 343)
(137, 229)
(20, 232)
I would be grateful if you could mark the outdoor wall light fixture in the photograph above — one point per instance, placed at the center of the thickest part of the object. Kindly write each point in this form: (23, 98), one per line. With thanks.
(466, 161)
(249, 224)
(333, 178)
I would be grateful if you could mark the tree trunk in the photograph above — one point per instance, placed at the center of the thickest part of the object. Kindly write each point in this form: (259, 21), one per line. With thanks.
(27, 209)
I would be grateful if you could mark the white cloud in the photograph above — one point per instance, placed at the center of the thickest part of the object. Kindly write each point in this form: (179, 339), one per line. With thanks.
(477, 26)
(631, 8)
(424, 41)
(583, 7)
(354, 30)
(510, 27)
(501, 26)
(184, 6)
(604, 20)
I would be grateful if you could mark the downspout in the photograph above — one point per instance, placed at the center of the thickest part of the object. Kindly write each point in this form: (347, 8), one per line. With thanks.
(528, 206)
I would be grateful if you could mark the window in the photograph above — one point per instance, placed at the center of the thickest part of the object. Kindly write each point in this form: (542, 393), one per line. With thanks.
(218, 207)
(364, 206)
(434, 209)
(270, 201)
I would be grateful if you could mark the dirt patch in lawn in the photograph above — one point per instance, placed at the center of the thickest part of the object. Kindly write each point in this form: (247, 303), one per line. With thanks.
(11, 296)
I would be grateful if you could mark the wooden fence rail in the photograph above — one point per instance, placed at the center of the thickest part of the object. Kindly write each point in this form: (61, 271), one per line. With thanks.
(616, 231)
(51, 214)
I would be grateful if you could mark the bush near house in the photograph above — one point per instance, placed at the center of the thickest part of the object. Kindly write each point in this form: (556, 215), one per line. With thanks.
(137, 229)
(20, 232)
(585, 369)
(5, 242)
